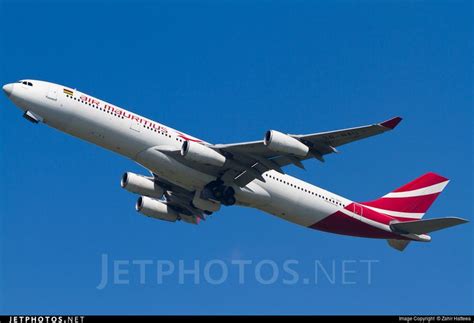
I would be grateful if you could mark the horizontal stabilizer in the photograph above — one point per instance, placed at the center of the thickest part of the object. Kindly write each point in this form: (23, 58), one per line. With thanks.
(426, 226)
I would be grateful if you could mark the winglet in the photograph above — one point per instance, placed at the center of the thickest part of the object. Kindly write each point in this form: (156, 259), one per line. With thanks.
(392, 123)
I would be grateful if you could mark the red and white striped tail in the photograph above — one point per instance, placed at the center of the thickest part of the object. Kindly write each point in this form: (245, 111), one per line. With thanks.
(412, 200)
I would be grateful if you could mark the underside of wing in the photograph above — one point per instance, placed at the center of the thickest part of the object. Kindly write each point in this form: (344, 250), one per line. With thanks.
(251, 159)
(325, 142)
(175, 204)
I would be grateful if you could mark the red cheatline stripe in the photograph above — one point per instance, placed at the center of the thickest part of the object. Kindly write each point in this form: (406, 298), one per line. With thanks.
(187, 138)
(421, 182)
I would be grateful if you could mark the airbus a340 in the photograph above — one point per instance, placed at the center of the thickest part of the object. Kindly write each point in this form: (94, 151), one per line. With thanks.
(190, 178)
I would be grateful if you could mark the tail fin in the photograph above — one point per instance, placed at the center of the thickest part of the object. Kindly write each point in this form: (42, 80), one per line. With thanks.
(412, 200)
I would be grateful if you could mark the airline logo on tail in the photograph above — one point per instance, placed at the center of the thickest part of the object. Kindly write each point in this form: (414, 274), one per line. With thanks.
(411, 201)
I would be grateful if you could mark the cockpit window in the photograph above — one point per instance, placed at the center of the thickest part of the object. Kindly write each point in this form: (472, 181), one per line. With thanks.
(26, 83)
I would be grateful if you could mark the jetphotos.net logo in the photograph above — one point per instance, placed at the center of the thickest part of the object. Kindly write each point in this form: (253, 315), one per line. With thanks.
(124, 272)
(46, 319)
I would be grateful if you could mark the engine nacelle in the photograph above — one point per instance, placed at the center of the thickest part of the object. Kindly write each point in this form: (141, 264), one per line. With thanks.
(281, 143)
(141, 185)
(198, 153)
(155, 209)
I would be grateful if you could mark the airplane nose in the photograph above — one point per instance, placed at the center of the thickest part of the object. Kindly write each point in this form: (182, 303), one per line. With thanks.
(8, 89)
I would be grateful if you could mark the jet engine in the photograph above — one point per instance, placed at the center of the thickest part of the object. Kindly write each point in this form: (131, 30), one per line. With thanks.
(281, 143)
(155, 209)
(199, 153)
(141, 185)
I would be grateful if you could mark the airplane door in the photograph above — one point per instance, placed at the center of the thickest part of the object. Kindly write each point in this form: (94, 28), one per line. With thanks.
(135, 125)
(52, 93)
(357, 209)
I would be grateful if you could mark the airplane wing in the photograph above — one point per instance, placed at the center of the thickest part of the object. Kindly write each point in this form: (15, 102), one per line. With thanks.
(251, 159)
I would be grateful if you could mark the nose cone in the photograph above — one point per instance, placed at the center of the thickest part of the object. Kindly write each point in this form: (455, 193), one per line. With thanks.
(8, 89)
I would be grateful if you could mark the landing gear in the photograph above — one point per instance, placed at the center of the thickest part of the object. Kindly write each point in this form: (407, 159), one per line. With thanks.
(216, 190)
(229, 196)
(228, 201)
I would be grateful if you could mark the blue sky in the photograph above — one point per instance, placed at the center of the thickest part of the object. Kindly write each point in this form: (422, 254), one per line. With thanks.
(227, 72)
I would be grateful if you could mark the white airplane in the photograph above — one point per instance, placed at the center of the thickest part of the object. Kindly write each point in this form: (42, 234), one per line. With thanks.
(191, 178)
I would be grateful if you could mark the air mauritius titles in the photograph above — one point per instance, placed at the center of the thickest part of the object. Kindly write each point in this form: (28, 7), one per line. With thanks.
(117, 111)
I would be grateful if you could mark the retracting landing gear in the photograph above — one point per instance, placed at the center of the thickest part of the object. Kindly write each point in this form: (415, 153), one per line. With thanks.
(229, 196)
(216, 190)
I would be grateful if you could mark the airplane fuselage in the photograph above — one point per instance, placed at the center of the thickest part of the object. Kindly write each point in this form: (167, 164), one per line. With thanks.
(146, 141)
